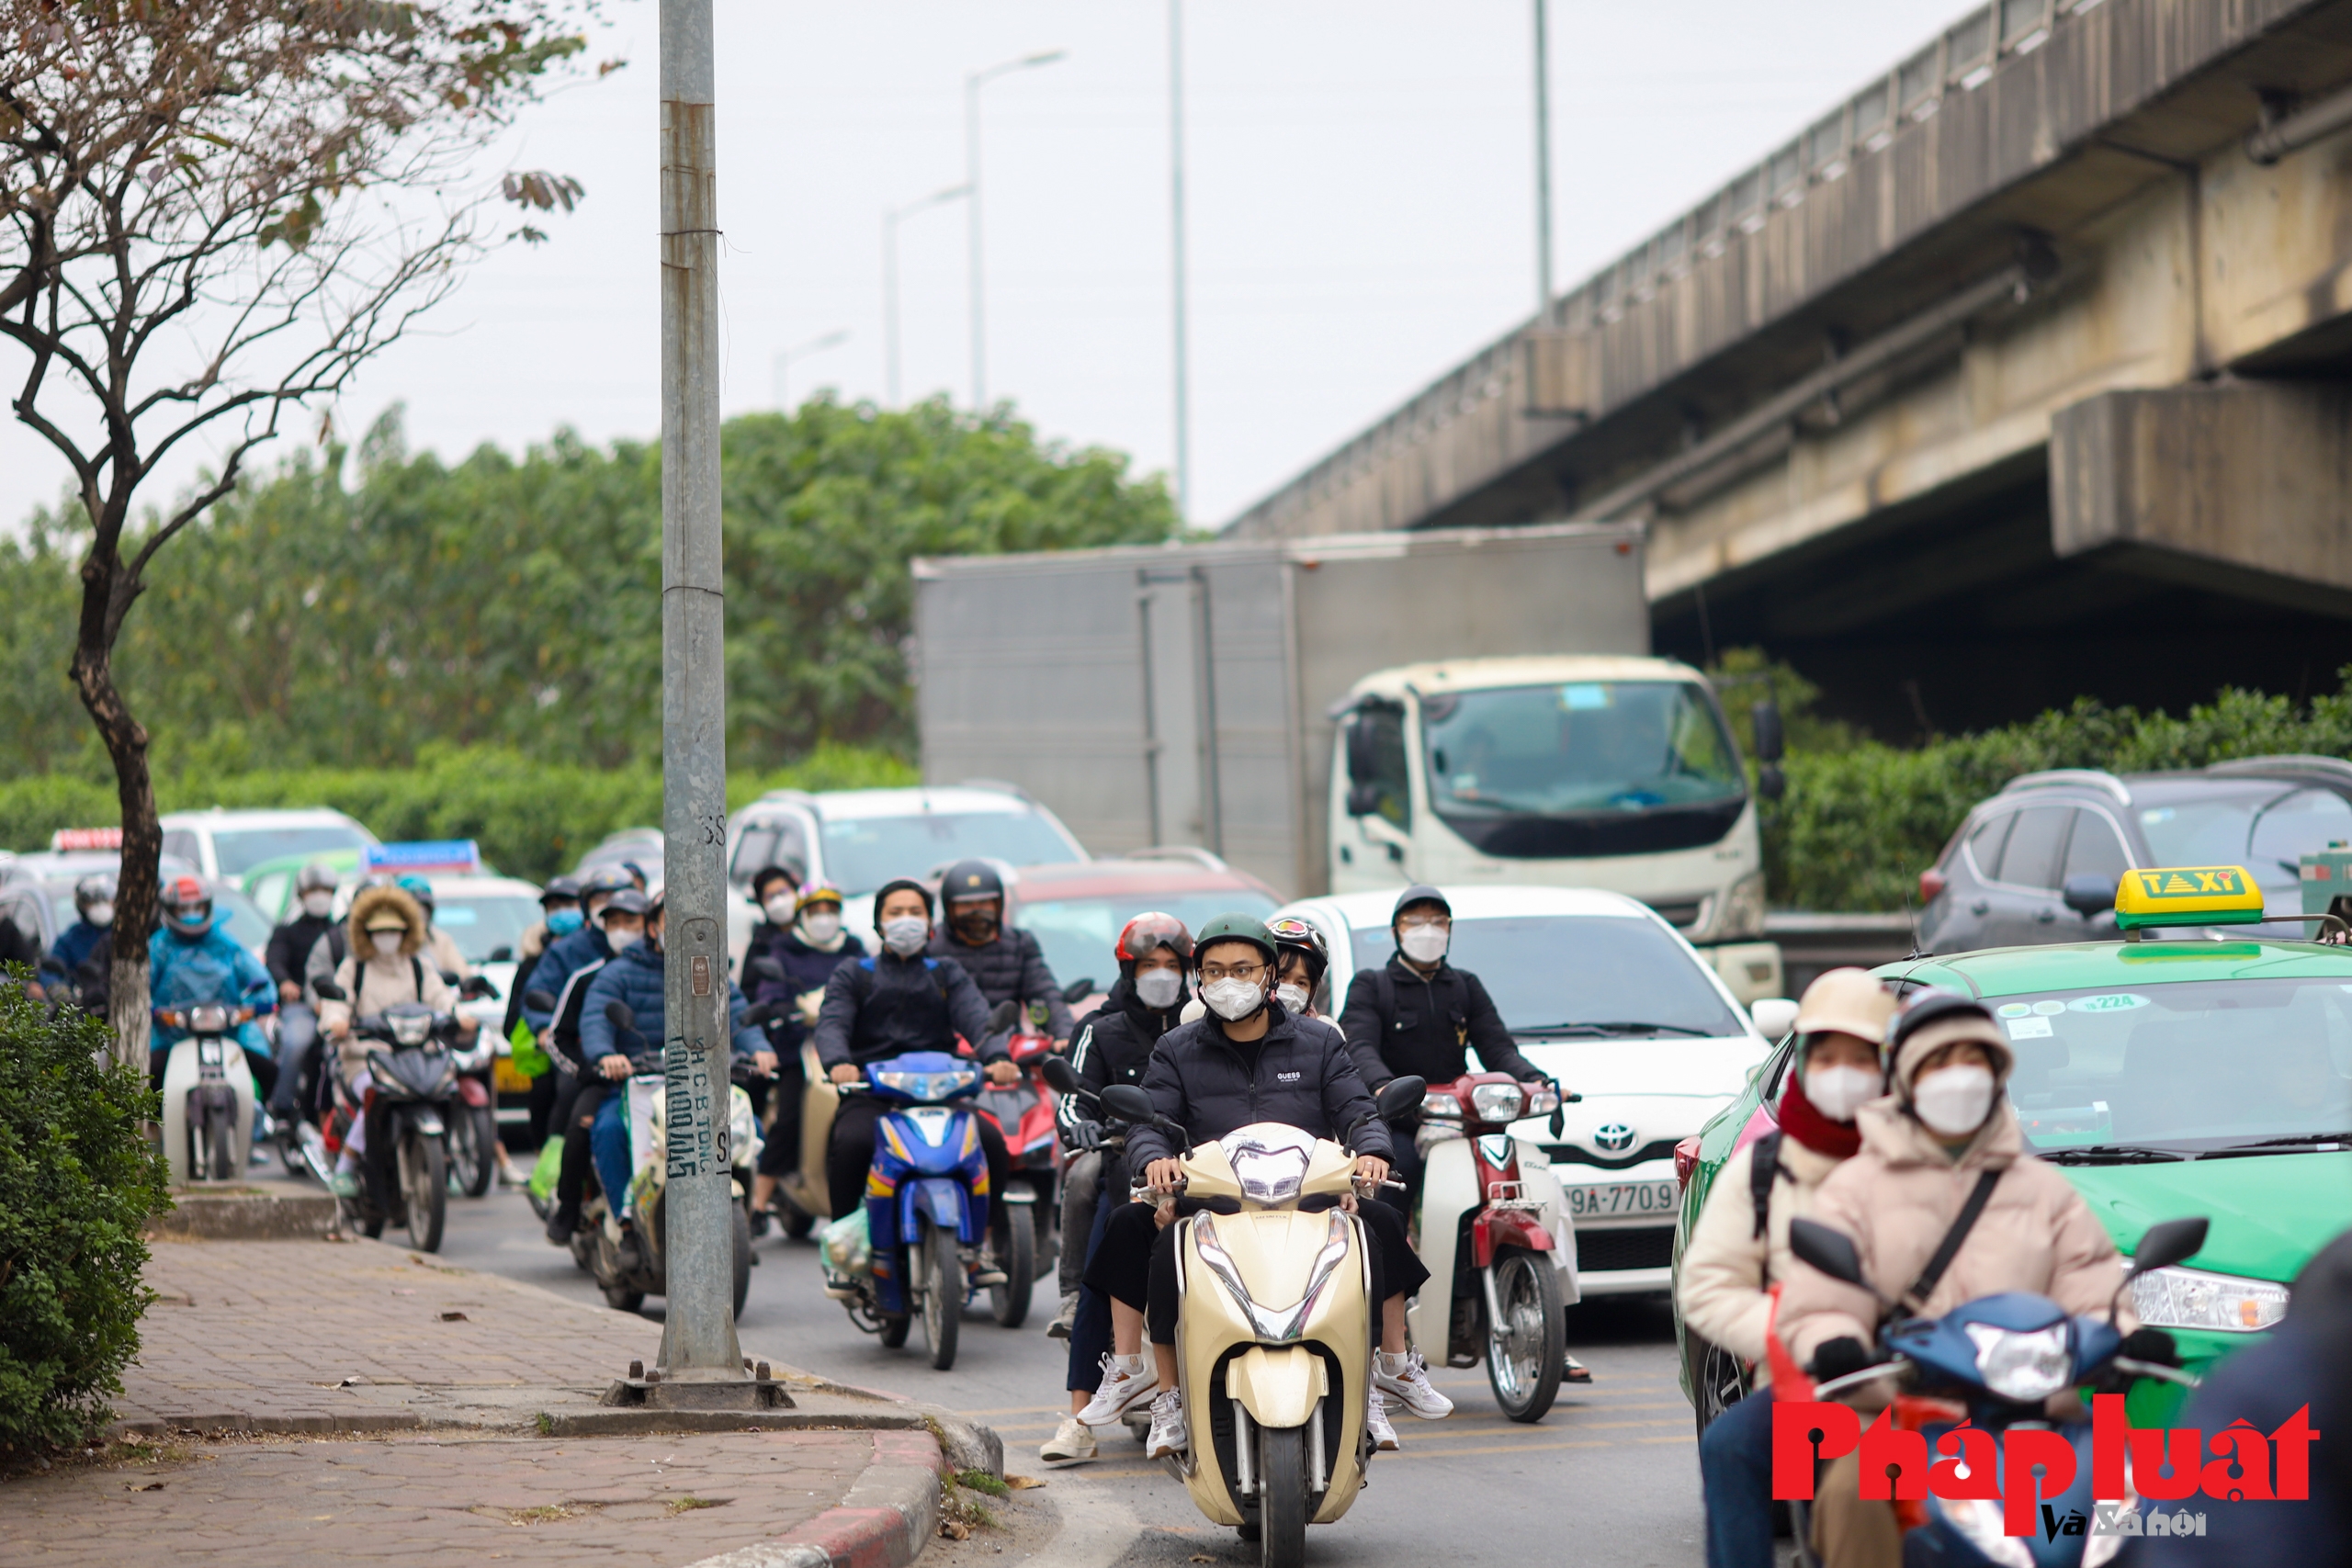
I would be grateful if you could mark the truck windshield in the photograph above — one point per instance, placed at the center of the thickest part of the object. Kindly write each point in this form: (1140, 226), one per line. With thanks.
(1549, 974)
(1566, 769)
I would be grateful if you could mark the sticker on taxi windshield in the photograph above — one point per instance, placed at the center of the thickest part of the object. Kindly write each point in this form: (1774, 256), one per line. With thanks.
(2048, 1008)
(2019, 1009)
(2113, 1002)
(2030, 1028)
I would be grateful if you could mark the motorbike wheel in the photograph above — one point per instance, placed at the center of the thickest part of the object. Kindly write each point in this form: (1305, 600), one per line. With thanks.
(620, 1298)
(1009, 1303)
(1281, 1496)
(1528, 1351)
(425, 1188)
(942, 1296)
(894, 1330)
(743, 1257)
(473, 1155)
(219, 1154)
(1717, 1385)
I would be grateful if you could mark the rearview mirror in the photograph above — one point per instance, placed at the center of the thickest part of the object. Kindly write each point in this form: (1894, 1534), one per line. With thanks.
(1765, 719)
(1002, 1016)
(1770, 783)
(2089, 895)
(1364, 757)
(1831, 1251)
(2174, 1241)
(449, 977)
(1400, 1096)
(1128, 1104)
(1363, 799)
(330, 991)
(620, 1015)
(1078, 991)
(1061, 1076)
(477, 986)
(761, 966)
(539, 1000)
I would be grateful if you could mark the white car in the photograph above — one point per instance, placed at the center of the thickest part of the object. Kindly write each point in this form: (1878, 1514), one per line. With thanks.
(227, 844)
(1606, 996)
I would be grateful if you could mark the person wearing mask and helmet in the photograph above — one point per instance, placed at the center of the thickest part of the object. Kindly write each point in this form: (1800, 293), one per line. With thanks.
(192, 959)
(559, 915)
(78, 962)
(583, 945)
(1007, 965)
(1739, 1247)
(1305, 958)
(618, 927)
(1942, 1172)
(298, 1021)
(803, 937)
(1113, 1046)
(889, 1003)
(1247, 1060)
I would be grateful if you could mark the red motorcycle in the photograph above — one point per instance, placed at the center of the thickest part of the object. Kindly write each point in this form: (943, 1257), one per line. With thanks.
(1023, 1113)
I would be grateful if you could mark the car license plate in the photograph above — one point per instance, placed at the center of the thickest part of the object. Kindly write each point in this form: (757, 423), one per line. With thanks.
(1623, 1200)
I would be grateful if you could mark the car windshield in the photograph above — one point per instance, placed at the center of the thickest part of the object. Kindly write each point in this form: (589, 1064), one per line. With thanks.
(242, 922)
(1589, 746)
(480, 924)
(1546, 970)
(864, 853)
(2197, 1064)
(2268, 832)
(242, 848)
(1077, 934)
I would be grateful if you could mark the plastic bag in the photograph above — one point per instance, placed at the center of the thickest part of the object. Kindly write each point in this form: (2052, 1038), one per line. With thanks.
(549, 1166)
(525, 1053)
(848, 1244)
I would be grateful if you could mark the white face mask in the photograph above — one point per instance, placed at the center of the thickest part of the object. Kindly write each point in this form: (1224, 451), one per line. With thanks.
(319, 903)
(99, 914)
(388, 944)
(779, 909)
(1954, 1102)
(907, 935)
(1293, 997)
(1424, 944)
(621, 941)
(1839, 1092)
(1232, 1000)
(1159, 988)
(820, 925)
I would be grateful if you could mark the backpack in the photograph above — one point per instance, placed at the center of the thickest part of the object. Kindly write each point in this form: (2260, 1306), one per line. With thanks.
(1764, 1166)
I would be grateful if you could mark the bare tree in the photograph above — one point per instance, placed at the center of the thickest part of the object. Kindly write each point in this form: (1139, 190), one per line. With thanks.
(212, 213)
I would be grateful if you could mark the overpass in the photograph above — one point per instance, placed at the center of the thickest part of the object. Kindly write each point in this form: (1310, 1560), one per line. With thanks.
(2025, 372)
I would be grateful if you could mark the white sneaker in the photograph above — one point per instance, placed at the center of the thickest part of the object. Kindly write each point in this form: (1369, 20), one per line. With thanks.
(1375, 1421)
(1127, 1381)
(1072, 1443)
(1169, 1435)
(1405, 1379)
(1065, 1319)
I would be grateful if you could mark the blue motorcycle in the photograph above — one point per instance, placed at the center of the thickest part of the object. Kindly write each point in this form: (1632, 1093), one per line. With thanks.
(2002, 1357)
(926, 1202)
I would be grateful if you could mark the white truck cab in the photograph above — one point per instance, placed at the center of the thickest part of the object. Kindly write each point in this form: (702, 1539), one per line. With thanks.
(1572, 771)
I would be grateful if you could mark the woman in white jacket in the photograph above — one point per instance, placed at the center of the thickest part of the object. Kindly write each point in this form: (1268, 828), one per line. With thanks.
(1740, 1246)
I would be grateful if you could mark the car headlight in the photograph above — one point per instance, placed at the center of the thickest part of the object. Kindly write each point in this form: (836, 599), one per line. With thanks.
(1977, 1521)
(1269, 1176)
(2023, 1366)
(2191, 1298)
(1497, 1102)
(1743, 908)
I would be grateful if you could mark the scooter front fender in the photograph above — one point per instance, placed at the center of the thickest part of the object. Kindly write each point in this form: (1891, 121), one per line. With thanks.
(1278, 1385)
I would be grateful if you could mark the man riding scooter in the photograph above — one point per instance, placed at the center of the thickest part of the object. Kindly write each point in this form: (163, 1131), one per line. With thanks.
(76, 967)
(1006, 965)
(1250, 1061)
(802, 943)
(298, 1022)
(191, 961)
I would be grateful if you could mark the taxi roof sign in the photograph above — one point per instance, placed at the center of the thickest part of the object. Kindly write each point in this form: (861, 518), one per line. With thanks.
(2188, 895)
(85, 839)
(459, 856)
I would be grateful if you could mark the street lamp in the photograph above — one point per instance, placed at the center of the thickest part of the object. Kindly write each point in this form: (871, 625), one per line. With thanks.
(1543, 170)
(972, 86)
(800, 351)
(1176, 210)
(890, 279)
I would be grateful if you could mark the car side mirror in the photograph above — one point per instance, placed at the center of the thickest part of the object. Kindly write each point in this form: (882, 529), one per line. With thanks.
(328, 990)
(1061, 1076)
(1831, 1251)
(620, 1015)
(538, 999)
(2174, 1241)
(1774, 1016)
(1078, 991)
(2089, 895)
(1400, 1096)
(1764, 718)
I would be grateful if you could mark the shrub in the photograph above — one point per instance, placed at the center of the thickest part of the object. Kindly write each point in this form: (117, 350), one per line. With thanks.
(78, 1182)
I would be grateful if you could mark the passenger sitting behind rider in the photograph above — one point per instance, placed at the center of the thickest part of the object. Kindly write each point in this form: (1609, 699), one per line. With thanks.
(1249, 1061)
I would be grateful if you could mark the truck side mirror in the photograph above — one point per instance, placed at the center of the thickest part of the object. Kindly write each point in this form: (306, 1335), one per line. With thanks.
(1363, 800)
(1363, 759)
(1770, 783)
(1765, 719)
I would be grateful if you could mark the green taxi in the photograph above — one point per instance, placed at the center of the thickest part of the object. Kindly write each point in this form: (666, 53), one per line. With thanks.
(2176, 1072)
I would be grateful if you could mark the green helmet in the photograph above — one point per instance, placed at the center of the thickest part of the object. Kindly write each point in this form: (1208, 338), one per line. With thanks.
(1235, 928)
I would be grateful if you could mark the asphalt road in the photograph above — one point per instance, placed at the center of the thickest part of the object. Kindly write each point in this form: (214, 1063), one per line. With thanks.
(1611, 1475)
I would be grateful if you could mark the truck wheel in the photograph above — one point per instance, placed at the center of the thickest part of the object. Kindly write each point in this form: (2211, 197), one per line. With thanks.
(942, 1296)
(1527, 1352)
(1282, 1493)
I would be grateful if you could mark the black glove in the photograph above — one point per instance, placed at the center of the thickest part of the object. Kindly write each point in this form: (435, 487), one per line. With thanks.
(1838, 1357)
(1087, 1136)
(2150, 1345)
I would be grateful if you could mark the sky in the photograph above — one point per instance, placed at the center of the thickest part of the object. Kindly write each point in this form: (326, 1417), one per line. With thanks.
(1360, 202)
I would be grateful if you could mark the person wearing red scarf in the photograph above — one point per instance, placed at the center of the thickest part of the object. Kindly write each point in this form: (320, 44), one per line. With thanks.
(1739, 1246)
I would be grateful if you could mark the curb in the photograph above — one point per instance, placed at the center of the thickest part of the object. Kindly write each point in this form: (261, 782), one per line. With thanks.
(244, 1216)
(236, 1421)
(887, 1520)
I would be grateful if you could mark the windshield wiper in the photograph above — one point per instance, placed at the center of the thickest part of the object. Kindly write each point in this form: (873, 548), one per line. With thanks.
(2110, 1154)
(2272, 1146)
(1613, 1026)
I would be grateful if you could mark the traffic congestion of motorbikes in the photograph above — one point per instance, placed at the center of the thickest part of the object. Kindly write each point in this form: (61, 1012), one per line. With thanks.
(1261, 1212)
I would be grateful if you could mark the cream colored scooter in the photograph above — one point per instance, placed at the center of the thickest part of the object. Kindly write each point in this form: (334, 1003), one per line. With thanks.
(1275, 1326)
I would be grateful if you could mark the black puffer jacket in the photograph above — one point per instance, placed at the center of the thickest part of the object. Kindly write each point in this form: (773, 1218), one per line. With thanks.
(1112, 1046)
(1299, 1074)
(1010, 969)
(806, 969)
(291, 944)
(1398, 1021)
(886, 1006)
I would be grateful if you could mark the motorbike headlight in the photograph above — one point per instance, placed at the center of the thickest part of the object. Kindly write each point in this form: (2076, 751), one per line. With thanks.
(2023, 1365)
(2191, 1298)
(1542, 1100)
(1743, 908)
(1497, 1102)
(1443, 1106)
(1269, 1176)
(410, 1028)
(928, 1086)
(1977, 1521)
(209, 1018)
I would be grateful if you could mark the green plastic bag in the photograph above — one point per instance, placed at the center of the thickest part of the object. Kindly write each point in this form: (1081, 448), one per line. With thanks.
(544, 1174)
(528, 1059)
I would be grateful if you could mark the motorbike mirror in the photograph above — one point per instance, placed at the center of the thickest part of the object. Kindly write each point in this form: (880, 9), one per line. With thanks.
(1002, 1016)
(1400, 1096)
(502, 954)
(2174, 1241)
(449, 977)
(539, 1000)
(763, 967)
(331, 992)
(620, 1015)
(1831, 1251)
(477, 986)
(2089, 895)
(1061, 1076)
(1128, 1104)
(1078, 991)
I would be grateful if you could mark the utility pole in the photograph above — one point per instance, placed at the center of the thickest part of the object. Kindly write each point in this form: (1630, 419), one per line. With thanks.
(890, 220)
(699, 1345)
(1176, 205)
(972, 86)
(1543, 170)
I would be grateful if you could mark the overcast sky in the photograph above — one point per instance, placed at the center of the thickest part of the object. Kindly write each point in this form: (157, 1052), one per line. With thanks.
(1361, 195)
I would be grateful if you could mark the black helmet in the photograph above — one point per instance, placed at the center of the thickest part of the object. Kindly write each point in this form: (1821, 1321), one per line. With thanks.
(94, 889)
(604, 882)
(1292, 934)
(1236, 928)
(971, 879)
(188, 907)
(315, 877)
(560, 887)
(1419, 893)
(625, 901)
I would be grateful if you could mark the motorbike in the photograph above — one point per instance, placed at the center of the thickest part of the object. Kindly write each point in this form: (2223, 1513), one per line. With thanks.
(413, 1074)
(208, 1092)
(1023, 1113)
(473, 1117)
(1497, 1239)
(1274, 1332)
(629, 1265)
(1992, 1365)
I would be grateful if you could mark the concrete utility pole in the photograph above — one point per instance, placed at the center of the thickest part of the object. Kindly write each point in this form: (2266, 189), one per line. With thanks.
(1176, 205)
(972, 86)
(698, 1342)
(1543, 169)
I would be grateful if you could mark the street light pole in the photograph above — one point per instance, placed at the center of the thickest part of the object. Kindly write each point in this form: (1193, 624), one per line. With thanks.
(799, 351)
(698, 1343)
(972, 86)
(1543, 169)
(1176, 207)
(890, 219)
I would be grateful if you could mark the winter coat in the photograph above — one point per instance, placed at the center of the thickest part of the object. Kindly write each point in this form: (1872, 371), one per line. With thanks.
(290, 943)
(372, 983)
(1112, 1045)
(1429, 1025)
(1010, 969)
(441, 951)
(1727, 1266)
(883, 1006)
(1298, 1073)
(806, 970)
(586, 945)
(635, 977)
(75, 943)
(214, 968)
